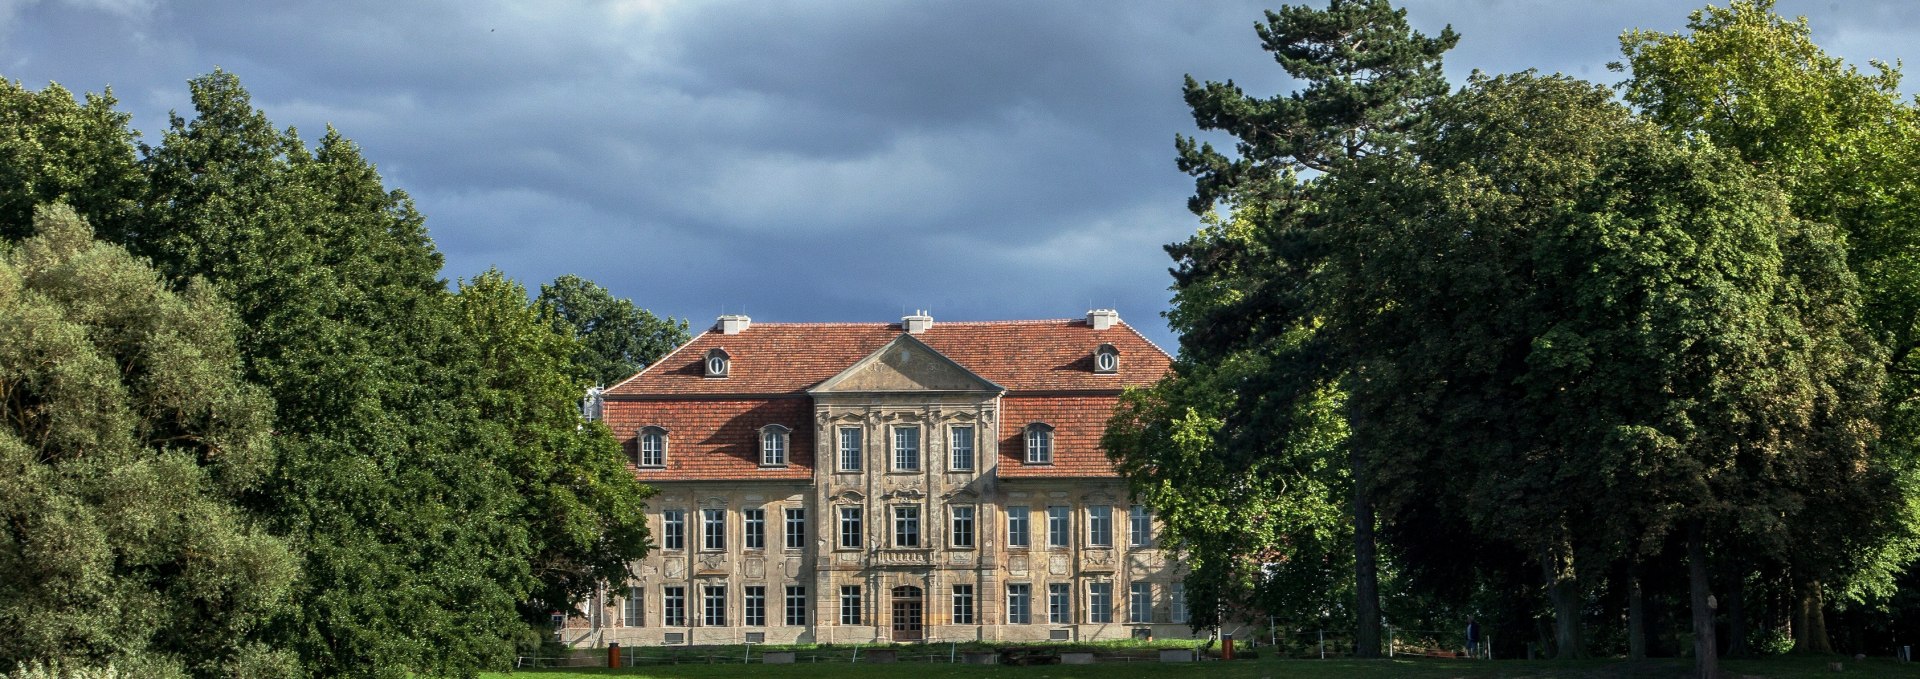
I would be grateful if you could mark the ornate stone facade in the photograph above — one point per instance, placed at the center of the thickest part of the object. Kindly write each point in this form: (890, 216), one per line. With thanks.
(885, 514)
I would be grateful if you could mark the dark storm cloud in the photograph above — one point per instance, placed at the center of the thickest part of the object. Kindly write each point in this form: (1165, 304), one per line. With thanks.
(796, 160)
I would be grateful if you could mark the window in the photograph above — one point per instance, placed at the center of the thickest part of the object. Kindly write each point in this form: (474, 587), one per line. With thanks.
(1179, 596)
(714, 606)
(1100, 526)
(1140, 602)
(906, 526)
(718, 362)
(849, 527)
(849, 604)
(796, 528)
(653, 448)
(963, 604)
(849, 449)
(906, 449)
(961, 449)
(796, 605)
(630, 608)
(773, 446)
(1017, 526)
(1100, 602)
(713, 529)
(755, 611)
(1139, 526)
(1106, 359)
(962, 534)
(755, 535)
(674, 607)
(673, 529)
(1058, 530)
(1059, 603)
(1039, 443)
(1019, 603)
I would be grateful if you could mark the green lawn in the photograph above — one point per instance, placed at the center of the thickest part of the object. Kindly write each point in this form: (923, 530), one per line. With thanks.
(1786, 668)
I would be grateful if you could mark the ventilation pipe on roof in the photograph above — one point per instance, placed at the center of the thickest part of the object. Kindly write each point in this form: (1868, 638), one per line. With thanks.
(1101, 319)
(917, 323)
(733, 324)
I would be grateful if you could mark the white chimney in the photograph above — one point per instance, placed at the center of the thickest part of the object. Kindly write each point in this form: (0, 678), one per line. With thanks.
(917, 323)
(1101, 319)
(734, 324)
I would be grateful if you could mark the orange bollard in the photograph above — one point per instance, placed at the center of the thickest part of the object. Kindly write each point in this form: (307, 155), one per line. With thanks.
(613, 655)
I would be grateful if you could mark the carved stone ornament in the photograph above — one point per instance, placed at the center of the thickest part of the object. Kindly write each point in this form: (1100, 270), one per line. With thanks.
(1017, 565)
(1057, 564)
(791, 567)
(713, 562)
(754, 567)
(676, 569)
(904, 494)
(848, 496)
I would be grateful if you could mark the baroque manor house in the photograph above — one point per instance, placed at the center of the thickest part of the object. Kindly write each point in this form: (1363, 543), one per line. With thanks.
(862, 482)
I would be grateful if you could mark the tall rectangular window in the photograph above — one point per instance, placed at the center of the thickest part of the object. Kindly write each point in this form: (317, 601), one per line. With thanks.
(963, 604)
(773, 446)
(1179, 596)
(630, 608)
(962, 534)
(1019, 603)
(962, 449)
(1100, 526)
(796, 528)
(849, 527)
(796, 608)
(1140, 602)
(673, 606)
(906, 526)
(1059, 603)
(714, 606)
(1100, 602)
(1059, 533)
(713, 529)
(653, 448)
(1039, 444)
(849, 604)
(1139, 526)
(755, 609)
(673, 529)
(755, 534)
(906, 449)
(849, 449)
(1017, 526)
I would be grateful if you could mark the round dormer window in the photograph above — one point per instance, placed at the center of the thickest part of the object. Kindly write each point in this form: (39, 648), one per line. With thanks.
(1106, 359)
(717, 363)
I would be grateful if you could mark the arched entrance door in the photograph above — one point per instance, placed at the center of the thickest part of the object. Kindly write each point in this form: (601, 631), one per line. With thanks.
(909, 613)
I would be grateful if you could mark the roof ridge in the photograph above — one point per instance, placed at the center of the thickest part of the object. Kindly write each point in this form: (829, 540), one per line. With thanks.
(1136, 333)
(662, 359)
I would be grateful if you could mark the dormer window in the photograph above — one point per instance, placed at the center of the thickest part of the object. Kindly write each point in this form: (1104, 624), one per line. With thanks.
(1106, 359)
(773, 445)
(718, 362)
(1039, 443)
(652, 448)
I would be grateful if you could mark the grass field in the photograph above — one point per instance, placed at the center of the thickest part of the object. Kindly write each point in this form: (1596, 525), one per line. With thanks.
(1784, 668)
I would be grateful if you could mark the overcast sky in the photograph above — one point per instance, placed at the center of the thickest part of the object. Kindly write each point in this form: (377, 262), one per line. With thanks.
(798, 161)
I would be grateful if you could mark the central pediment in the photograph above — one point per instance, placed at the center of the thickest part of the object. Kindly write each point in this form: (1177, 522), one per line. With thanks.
(905, 364)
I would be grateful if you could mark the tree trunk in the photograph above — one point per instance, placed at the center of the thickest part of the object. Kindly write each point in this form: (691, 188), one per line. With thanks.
(1736, 606)
(1636, 616)
(1706, 656)
(1366, 578)
(1563, 590)
(1810, 619)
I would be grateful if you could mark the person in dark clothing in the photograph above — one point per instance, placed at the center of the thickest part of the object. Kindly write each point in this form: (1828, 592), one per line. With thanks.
(1473, 638)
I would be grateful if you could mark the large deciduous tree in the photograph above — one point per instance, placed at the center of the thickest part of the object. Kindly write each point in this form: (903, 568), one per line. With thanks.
(616, 337)
(127, 438)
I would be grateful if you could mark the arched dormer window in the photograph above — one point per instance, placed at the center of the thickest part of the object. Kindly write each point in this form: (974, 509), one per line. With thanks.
(651, 450)
(718, 362)
(1106, 359)
(1039, 443)
(773, 445)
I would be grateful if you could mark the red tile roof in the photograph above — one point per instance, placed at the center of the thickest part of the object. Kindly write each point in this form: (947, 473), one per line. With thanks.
(788, 358)
(713, 424)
